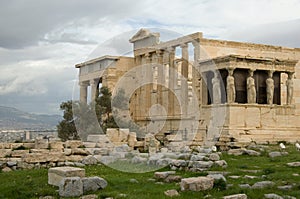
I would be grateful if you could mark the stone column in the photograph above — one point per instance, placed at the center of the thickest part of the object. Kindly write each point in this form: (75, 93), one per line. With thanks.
(289, 88)
(251, 91)
(230, 86)
(160, 73)
(94, 86)
(270, 88)
(196, 78)
(184, 82)
(171, 51)
(149, 80)
(83, 92)
(165, 88)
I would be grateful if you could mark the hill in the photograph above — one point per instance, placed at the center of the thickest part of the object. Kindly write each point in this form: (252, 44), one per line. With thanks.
(14, 119)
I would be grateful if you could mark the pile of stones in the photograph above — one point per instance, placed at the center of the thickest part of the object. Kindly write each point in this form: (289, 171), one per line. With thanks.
(72, 181)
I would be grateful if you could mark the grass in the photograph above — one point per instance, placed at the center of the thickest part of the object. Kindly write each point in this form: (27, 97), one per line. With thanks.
(33, 183)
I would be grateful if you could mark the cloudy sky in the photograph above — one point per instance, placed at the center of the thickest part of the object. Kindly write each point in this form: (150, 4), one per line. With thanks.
(41, 41)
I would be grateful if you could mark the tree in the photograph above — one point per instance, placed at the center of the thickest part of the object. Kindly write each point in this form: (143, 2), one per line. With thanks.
(66, 128)
(104, 110)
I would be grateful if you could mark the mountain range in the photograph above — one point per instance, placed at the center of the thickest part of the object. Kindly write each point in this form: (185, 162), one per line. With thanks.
(14, 119)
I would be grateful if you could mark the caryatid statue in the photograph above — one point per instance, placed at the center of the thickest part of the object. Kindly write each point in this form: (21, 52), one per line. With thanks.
(216, 89)
(230, 86)
(289, 88)
(251, 91)
(270, 87)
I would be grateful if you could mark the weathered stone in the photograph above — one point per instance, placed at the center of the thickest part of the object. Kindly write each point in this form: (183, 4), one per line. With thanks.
(244, 186)
(89, 144)
(55, 157)
(34, 158)
(122, 148)
(138, 160)
(236, 196)
(93, 183)
(163, 174)
(275, 154)
(46, 197)
(67, 151)
(236, 152)
(107, 159)
(252, 152)
(74, 158)
(56, 174)
(214, 157)
(73, 144)
(171, 193)
(79, 151)
(263, 184)
(89, 160)
(196, 184)
(71, 187)
(173, 178)
(78, 164)
(217, 176)
(179, 163)
(197, 157)
(272, 196)
(6, 169)
(19, 153)
(11, 163)
(69, 164)
(221, 163)
(202, 164)
(294, 164)
(285, 187)
(56, 145)
(90, 196)
(5, 153)
(41, 144)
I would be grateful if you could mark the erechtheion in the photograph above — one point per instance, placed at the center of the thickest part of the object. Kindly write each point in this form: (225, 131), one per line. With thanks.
(204, 89)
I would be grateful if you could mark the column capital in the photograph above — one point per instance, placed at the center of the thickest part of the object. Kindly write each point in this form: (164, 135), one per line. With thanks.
(84, 84)
(94, 81)
(184, 45)
(171, 49)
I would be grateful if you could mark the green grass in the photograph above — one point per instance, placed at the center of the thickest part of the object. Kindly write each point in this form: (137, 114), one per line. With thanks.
(33, 183)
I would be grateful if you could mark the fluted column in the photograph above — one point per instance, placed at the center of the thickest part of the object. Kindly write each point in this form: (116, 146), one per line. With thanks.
(185, 73)
(196, 78)
(148, 78)
(83, 92)
(171, 81)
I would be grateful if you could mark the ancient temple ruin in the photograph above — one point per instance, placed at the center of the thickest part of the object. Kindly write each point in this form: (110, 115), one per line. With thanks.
(197, 90)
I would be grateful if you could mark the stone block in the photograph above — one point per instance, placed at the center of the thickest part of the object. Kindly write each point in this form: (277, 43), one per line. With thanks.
(112, 134)
(196, 184)
(89, 144)
(55, 157)
(98, 138)
(93, 183)
(123, 135)
(56, 145)
(34, 158)
(163, 174)
(19, 153)
(252, 117)
(75, 158)
(41, 144)
(132, 139)
(73, 144)
(79, 151)
(5, 153)
(236, 196)
(57, 174)
(71, 187)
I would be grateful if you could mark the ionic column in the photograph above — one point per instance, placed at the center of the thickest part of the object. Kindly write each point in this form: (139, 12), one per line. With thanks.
(165, 81)
(197, 83)
(94, 85)
(289, 88)
(171, 51)
(149, 80)
(185, 73)
(83, 92)
(160, 77)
